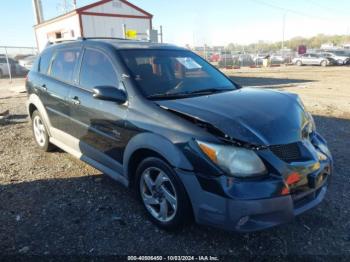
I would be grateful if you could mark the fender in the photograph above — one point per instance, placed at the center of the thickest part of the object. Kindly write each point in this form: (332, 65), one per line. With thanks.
(158, 144)
(35, 100)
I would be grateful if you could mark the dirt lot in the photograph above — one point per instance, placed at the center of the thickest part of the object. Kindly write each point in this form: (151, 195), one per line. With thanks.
(51, 203)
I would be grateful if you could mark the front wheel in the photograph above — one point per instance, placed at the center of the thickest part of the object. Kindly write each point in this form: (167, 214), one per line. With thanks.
(324, 63)
(162, 194)
(299, 63)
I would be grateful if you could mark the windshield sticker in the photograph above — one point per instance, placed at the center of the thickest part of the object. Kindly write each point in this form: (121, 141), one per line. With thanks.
(188, 63)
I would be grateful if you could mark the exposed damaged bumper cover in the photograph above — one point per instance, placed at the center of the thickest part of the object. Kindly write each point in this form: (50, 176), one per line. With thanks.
(276, 126)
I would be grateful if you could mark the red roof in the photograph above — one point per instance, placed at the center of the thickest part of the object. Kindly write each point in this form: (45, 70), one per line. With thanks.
(84, 8)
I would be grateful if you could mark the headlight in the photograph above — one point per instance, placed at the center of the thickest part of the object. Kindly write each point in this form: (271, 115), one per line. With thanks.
(312, 125)
(236, 161)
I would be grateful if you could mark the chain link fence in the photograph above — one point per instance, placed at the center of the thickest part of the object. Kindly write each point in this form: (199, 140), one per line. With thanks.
(16, 61)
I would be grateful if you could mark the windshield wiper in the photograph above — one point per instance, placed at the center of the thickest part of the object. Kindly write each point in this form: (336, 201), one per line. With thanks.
(167, 95)
(188, 93)
(207, 91)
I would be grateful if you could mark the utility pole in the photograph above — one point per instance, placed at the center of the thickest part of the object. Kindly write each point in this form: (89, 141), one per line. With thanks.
(283, 30)
(38, 11)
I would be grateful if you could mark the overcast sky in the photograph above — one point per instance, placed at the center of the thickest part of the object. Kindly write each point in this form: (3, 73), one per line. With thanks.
(197, 22)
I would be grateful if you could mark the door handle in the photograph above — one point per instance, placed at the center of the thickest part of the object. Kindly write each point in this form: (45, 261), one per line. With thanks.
(75, 100)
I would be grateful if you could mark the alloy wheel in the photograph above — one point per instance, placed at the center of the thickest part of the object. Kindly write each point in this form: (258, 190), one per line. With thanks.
(158, 194)
(39, 131)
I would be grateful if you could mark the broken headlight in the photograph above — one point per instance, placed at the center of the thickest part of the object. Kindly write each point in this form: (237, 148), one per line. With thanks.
(236, 161)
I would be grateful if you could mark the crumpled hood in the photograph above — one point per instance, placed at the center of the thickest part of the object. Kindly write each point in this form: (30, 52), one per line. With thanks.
(256, 116)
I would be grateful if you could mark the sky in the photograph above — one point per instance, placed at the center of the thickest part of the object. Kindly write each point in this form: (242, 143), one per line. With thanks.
(196, 22)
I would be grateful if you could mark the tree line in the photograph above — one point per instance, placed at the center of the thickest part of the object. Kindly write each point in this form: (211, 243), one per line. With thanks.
(293, 43)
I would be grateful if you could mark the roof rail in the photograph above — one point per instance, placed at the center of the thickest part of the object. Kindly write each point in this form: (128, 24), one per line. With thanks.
(58, 41)
(102, 37)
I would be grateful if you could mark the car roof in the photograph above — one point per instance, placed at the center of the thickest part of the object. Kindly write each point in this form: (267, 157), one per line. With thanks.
(119, 44)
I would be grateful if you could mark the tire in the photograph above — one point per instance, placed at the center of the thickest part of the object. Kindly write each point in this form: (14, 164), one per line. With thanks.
(299, 63)
(40, 134)
(167, 204)
(324, 63)
(340, 62)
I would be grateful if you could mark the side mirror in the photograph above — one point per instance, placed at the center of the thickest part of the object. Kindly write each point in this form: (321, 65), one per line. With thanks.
(109, 93)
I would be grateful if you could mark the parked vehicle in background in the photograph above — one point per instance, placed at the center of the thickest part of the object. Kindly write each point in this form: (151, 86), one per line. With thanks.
(4, 71)
(225, 59)
(16, 69)
(258, 58)
(277, 59)
(21, 56)
(339, 56)
(214, 57)
(225, 55)
(243, 60)
(311, 59)
(340, 52)
(189, 140)
(27, 62)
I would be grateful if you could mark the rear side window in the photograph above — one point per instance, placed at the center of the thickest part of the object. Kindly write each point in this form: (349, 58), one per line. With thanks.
(97, 70)
(64, 63)
(44, 63)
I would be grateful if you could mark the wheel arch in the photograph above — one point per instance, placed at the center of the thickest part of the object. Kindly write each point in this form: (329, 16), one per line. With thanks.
(152, 145)
(34, 103)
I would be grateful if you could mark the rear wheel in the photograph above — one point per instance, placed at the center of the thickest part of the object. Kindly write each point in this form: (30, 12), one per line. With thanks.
(324, 63)
(162, 194)
(41, 136)
(299, 63)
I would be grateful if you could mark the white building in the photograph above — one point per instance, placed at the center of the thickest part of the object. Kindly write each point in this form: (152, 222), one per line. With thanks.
(106, 18)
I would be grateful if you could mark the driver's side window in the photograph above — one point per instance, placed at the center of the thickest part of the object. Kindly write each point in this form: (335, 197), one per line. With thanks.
(97, 70)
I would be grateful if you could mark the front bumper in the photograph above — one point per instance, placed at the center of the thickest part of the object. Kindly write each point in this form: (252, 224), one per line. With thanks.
(248, 215)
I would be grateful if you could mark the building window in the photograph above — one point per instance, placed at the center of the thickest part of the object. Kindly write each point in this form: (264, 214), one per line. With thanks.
(58, 35)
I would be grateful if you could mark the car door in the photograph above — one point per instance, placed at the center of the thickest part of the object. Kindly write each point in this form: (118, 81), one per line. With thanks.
(315, 59)
(99, 125)
(56, 85)
(306, 59)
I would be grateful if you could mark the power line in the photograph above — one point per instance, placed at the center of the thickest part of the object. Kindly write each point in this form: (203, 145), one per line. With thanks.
(289, 10)
(317, 3)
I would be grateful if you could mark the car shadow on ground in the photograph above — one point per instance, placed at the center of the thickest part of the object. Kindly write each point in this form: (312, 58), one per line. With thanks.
(246, 81)
(94, 215)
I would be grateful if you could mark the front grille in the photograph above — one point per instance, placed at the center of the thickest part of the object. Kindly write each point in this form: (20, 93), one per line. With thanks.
(288, 153)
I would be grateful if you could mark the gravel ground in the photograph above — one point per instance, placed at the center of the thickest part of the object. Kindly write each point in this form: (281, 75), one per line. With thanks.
(54, 204)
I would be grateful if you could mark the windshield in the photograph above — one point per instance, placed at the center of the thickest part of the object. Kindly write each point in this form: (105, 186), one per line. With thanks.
(166, 73)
